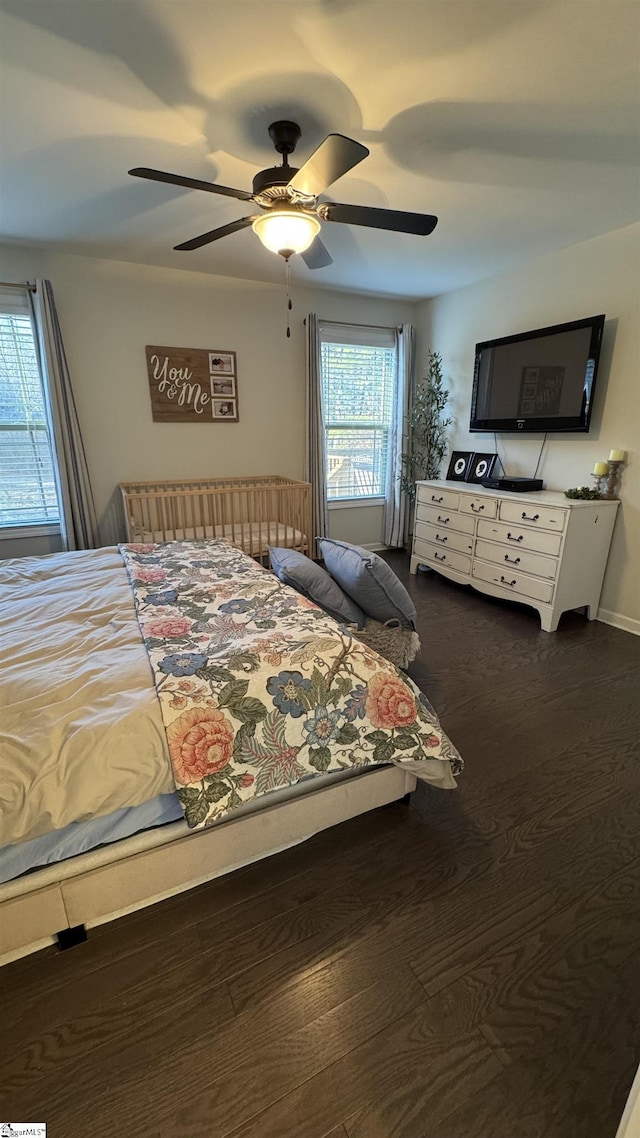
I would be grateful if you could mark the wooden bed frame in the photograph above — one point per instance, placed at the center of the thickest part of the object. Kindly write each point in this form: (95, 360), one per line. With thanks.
(112, 880)
(251, 513)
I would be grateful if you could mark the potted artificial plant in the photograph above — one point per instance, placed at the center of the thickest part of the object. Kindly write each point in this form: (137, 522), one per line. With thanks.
(427, 440)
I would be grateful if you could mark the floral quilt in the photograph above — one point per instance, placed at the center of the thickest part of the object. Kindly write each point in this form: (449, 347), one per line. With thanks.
(259, 688)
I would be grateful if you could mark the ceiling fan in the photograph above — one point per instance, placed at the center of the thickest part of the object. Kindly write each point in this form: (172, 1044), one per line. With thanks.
(288, 196)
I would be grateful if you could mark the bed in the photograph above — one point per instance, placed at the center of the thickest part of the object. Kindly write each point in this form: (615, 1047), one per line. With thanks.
(250, 512)
(172, 712)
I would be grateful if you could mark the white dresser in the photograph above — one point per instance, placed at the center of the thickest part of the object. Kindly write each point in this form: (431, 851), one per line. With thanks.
(542, 549)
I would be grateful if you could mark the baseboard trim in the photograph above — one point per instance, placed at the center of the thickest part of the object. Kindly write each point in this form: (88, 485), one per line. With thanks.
(617, 620)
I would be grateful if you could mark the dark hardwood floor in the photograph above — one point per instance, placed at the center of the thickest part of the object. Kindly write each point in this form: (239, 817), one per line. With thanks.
(467, 967)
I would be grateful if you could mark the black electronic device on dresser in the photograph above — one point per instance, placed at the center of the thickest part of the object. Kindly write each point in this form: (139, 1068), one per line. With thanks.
(513, 485)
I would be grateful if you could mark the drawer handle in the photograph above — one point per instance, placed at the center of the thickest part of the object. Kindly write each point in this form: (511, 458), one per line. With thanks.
(442, 539)
(533, 518)
(476, 508)
(440, 556)
(503, 581)
(434, 499)
(510, 537)
(444, 521)
(510, 560)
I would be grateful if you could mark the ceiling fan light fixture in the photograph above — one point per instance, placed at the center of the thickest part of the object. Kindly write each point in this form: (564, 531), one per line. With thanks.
(286, 231)
(290, 198)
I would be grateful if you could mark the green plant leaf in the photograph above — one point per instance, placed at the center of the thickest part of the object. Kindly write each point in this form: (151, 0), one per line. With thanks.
(248, 710)
(233, 693)
(244, 662)
(188, 794)
(377, 737)
(404, 742)
(320, 757)
(347, 733)
(319, 689)
(215, 674)
(216, 790)
(342, 685)
(196, 812)
(384, 751)
(243, 734)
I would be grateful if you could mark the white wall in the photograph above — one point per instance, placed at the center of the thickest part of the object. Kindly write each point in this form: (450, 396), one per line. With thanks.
(601, 275)
(109, 310)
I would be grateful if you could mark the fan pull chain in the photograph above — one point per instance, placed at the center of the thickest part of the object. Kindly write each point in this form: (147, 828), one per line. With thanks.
(287, 262)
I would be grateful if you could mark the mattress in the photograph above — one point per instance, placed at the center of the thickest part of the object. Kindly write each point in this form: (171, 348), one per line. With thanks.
(254, 537)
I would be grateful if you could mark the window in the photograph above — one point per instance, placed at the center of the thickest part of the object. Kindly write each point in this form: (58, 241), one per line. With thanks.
(359, 368)
(27, 482)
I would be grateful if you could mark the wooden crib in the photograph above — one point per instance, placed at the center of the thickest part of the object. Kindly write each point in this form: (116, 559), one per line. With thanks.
(251, 513)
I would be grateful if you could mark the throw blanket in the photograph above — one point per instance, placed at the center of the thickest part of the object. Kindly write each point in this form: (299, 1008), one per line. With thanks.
(259, 688)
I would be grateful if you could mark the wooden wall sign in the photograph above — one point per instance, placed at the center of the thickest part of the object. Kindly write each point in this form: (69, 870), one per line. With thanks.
(192, 385)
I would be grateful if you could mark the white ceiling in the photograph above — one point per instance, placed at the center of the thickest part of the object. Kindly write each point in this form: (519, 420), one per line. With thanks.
(515, 121)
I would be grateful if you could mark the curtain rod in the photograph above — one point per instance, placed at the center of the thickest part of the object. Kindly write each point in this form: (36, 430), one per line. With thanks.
(18, 284)
(357, 324)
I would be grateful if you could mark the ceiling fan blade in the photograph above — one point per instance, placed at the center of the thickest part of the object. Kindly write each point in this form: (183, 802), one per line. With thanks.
(400, 222)
(317, 256)
(333, 158)
(215, 234)
(189, 183)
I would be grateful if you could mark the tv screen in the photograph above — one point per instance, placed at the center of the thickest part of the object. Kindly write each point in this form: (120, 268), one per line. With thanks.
(537, 381)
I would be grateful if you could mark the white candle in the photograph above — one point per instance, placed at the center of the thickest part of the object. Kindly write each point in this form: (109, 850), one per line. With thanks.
(617, 455)
(600, 469)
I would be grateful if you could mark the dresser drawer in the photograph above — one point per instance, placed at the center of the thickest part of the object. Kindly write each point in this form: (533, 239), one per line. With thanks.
(540, 541)
(517, 559)
(447, 558)
(434, 496)
(543, 517)
(442, 536)
(512, 581)
(451, 519)
(478, 507)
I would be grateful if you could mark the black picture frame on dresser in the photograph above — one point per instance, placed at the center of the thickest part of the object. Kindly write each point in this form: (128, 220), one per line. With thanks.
(459, 465)
(480, 466)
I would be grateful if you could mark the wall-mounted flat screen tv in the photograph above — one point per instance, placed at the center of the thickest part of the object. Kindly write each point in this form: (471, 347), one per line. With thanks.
(537, 381)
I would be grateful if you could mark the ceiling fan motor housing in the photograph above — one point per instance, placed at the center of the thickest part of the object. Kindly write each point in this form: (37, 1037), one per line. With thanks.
(270, 185)
(276, 178)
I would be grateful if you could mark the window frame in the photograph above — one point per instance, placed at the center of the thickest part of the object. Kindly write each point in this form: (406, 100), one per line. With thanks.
(14, 301)
(362, 336)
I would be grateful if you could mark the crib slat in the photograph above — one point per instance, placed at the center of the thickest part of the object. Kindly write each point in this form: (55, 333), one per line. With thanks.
(263, 533)
(148, 527)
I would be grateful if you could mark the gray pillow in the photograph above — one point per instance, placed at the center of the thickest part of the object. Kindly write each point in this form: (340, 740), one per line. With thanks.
(369, 581)
(310, 579)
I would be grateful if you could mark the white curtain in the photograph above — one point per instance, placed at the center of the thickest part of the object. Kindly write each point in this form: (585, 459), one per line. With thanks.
(315, 458)
(396, 507)
(77, 510)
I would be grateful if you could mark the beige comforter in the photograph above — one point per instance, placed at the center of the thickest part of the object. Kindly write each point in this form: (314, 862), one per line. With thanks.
(70, 642)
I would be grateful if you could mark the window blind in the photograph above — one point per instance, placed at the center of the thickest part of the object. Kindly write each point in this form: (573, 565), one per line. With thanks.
(27, 482)
(358, 385)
